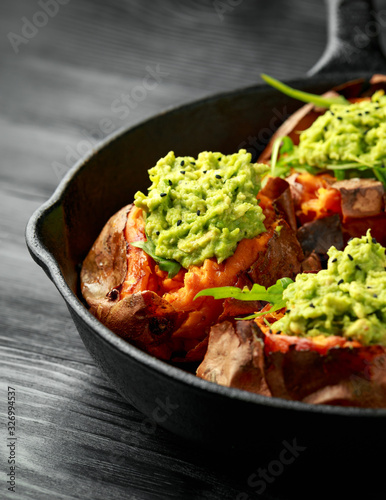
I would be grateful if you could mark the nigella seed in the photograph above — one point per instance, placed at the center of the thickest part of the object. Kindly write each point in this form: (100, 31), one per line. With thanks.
(340, 282)
(325, 128)
(198, 212)
(367, 112)
(332, 113)
(182, 163)
(334, 260)
(179, 222)
(204, 172)
(312, 305)
(373, 240)
(375, 296)
(183, 172)
(358, 267)
(278, 332)
(170, 182)
(359, 114)
(162, 195)
(218, 176)
(350, 256)
(157, 233)
(339, 118)
(288, 311)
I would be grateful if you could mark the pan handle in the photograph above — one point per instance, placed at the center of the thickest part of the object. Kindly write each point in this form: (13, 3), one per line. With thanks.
(353, 44)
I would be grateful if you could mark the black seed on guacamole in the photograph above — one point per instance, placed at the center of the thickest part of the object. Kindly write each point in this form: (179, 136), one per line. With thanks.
(218, 176)
(183, 172)
(162, 195)
(198, 212)
(373, 240)
(312, 305)
(179, 222)
(340, 282)
(334, 260)
(182, 163)
(350, 256)
(170, 182)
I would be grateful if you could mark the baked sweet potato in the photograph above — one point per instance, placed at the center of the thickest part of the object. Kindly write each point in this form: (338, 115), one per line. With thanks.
(358, 202)
(128, 292)
(334, 371)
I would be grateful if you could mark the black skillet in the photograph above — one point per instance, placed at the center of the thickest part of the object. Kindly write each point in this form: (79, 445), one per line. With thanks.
(60, 233)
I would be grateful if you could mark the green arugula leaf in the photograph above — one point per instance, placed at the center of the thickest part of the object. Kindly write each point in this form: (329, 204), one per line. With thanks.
(323, 102)
(170, 266)
(272, 294)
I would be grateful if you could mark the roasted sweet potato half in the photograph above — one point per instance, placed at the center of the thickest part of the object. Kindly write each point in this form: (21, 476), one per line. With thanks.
(127, 291)
(359, 202)
(335, 372)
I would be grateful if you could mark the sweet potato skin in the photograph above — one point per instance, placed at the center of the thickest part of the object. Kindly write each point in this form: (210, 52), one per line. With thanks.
(235, 357)
(343, 376)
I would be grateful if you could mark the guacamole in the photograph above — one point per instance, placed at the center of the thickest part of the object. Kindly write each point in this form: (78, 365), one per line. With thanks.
(346, 133)
(201, 208)
(347, 299)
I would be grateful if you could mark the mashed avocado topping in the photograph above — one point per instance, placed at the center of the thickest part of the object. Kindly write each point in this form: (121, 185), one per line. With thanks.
(346, 133)
(201, 208)
(347, 299)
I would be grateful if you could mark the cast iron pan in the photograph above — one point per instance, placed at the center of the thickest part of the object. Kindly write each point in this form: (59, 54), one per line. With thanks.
(60, 233)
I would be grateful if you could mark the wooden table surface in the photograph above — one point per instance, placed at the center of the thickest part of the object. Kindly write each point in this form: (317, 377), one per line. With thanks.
(64, 67)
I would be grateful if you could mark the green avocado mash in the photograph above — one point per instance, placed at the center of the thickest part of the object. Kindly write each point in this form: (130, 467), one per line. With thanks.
(346, 133)
(347, 299)
(201, 208)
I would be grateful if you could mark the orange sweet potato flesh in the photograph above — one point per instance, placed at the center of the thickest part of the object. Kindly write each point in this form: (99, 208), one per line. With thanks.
(334, 372)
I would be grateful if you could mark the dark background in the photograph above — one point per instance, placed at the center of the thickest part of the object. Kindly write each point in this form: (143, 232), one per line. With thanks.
(61, 91)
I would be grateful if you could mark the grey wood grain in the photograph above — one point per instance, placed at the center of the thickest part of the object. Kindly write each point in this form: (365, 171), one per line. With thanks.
(61, 92)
